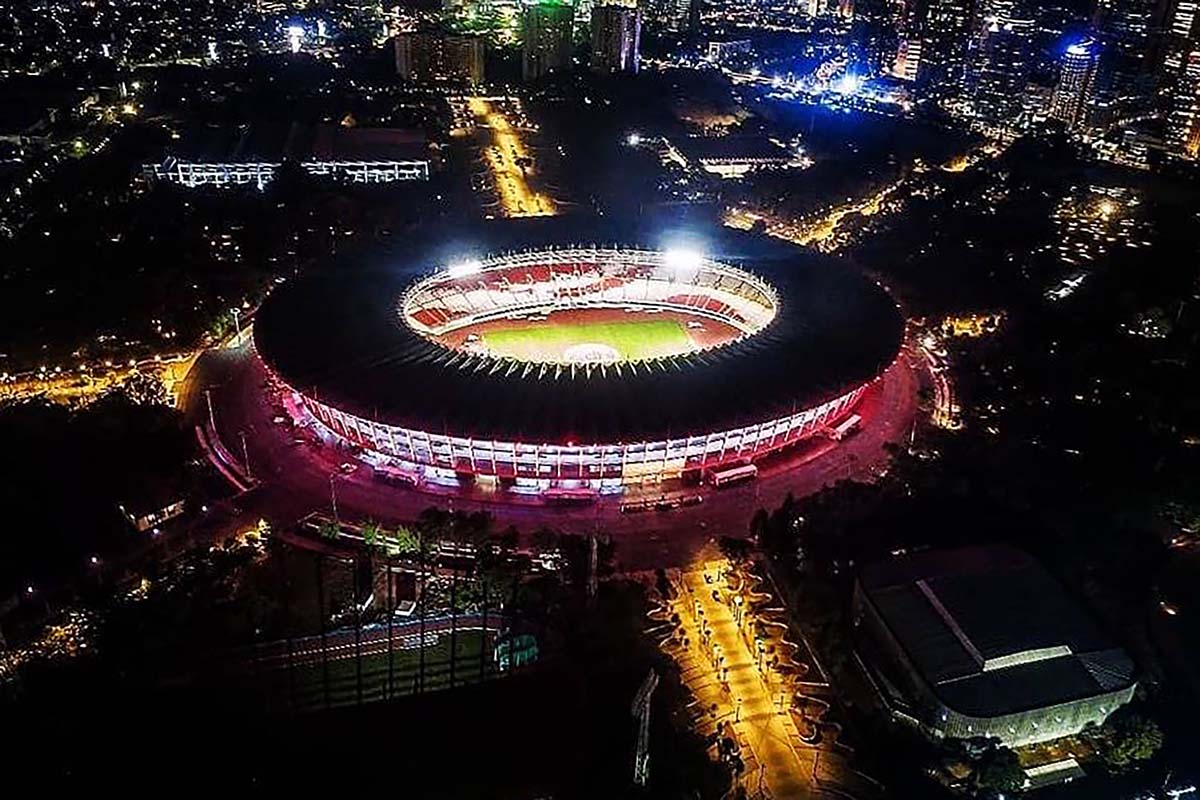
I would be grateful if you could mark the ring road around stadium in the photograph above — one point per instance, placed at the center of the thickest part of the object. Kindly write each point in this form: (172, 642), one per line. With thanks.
(546, 366)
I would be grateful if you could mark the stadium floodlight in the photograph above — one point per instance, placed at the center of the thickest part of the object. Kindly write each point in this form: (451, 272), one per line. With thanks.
(461, 269)
(681, 259)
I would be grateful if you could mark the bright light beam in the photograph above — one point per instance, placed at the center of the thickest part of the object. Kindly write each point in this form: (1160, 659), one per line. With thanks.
(461, 269)
(683, 260)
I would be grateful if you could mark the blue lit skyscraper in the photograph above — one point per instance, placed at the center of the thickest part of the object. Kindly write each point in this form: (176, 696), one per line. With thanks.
(1076, 82)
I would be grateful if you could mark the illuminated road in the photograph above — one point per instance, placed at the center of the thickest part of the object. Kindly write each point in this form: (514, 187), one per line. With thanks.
(510, 163)
(91, 382)
(749, 699)
(820, 232)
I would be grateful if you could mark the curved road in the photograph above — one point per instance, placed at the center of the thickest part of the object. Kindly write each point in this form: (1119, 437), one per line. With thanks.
(295, 478)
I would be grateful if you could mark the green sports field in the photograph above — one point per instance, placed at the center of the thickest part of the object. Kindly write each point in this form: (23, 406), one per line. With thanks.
(632, 340)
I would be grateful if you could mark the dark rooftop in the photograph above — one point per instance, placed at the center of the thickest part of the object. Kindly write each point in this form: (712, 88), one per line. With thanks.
(277, 142)
(731, 148)
(991, 632)
(339, 337)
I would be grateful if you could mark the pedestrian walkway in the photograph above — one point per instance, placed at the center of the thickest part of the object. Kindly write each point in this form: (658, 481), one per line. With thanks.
(724, 669)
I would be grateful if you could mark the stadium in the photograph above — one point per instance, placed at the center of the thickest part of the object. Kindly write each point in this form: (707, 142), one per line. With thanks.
(524, 357)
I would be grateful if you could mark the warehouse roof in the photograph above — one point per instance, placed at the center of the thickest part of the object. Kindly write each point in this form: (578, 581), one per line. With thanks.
(732, 148)
(991, 632)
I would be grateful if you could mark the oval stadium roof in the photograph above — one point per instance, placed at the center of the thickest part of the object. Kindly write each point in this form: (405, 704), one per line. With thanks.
(336, 335)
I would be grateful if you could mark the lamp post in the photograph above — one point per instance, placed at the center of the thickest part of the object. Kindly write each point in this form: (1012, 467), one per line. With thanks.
(333, 494)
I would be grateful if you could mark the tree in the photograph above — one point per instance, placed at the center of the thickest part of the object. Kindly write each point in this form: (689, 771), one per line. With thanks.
(734, 549)
(999, 771)
(371, 532)
(544, 540)
(329, 530)
(662, 584)
(407, 542)
(1126, 738)
(144, 390)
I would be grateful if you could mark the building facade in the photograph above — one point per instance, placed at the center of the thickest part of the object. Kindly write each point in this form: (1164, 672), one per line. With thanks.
(1183, 121)
(616, 38)
(1076, 80)
(982, 641)
(1128, 33)
(546, 43)
(945, 32)
(423, 56)
(1001, 62)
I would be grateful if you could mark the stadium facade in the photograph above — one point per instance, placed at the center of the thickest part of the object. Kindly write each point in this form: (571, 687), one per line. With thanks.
(390, 365)
(982, 642)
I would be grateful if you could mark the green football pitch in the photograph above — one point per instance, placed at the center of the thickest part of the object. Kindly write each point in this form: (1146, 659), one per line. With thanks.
(633, 340)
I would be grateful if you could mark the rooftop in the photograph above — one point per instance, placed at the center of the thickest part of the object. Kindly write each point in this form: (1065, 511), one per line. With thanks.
(731, 148)
(276, 142)
(338, 337)
(991, 632)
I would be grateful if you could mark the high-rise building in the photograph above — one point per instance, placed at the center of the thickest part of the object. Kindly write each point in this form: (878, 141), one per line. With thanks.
(439, 55)
(876, 29)
(945, 27)
(908, 59)
(1183, 121)
(546, 45)
(583, 20)
(1054, 22)
(1076, 82)
(1127, 32)
(1182, 33)
(616, 37)
(1000, 64)
(667, 15)
(463, 57)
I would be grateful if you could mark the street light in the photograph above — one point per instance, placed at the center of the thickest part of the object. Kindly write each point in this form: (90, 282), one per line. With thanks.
(737, 714)
(333, 494)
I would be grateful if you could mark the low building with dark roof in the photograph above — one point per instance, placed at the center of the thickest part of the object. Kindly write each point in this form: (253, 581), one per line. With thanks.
(252, 154)
(731, 156)
(983, 641)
